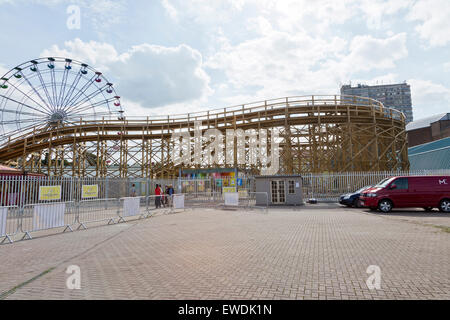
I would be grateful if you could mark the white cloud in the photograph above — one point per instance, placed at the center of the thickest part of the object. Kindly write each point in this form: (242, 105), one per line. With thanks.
(428, 97)
(156, 75)
(290, 47)
(321, 15)
(316, 17)
(435, 23)
(367, 52)
(376, 11)
(206, 11)
(146, 74)
(447, 66)
(171, 11)
(279, 63)
(99, 55)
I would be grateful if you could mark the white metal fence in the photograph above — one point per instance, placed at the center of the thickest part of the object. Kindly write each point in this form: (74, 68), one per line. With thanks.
(24, 190)
(30, 204)
(328, 187)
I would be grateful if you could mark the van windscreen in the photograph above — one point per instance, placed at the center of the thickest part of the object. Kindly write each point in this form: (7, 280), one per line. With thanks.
(383, 183)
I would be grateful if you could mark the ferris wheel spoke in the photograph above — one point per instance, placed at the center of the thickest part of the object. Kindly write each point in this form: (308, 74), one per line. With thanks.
(20, 103)
(45, 87)
(28, 127)
(35, 91)
(93, 105)
(82, 109)
(21, 112)
(75, 115)
(8, 122)
(99, 103)
(80, 92)
(53, 84)
(30, 98)
(63, 86)
(87, 98)
(72, 88)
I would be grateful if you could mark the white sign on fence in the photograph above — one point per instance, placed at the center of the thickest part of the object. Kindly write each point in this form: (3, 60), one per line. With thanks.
(178, 201)
(231, 198)
(131, 206)
(3, 214)
(47, 216)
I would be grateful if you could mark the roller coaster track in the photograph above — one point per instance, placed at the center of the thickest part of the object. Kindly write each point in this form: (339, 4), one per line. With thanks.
(319, 133)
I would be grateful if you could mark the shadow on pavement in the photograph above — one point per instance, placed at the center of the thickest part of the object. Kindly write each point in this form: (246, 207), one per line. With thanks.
(410, 213)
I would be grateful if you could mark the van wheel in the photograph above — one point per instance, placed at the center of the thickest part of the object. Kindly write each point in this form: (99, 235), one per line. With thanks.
(356, 203)
(444, 205)
(428, 209)
(385, 205)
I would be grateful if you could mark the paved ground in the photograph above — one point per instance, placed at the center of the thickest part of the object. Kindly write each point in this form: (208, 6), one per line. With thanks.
(315, 252)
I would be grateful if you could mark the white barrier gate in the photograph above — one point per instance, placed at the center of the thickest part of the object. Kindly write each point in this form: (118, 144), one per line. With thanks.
(48, 216)
(3, 214)
(231, 198)
(131, 206)
(178, 201)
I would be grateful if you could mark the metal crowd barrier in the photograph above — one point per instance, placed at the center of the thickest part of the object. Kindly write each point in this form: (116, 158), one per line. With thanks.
(165, 204)
(258, 200)
(203, 198)
(46, 216)
(97, 210)
(131, 207)
(249, 200)
(9, 222)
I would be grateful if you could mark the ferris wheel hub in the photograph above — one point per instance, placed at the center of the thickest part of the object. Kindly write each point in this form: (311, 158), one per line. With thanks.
(58, 117)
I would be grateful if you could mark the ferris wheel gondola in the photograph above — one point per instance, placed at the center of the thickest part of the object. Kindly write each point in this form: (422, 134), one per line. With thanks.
(49, 92)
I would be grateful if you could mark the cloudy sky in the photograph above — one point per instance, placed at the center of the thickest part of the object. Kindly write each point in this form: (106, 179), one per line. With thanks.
(175, 56)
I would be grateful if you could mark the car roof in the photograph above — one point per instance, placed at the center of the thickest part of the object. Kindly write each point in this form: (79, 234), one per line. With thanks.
(430, 176)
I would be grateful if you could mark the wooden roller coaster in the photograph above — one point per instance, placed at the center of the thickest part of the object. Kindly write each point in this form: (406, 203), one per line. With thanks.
(318, 134)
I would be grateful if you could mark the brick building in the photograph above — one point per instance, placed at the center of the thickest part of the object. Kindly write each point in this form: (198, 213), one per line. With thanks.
(428, 129)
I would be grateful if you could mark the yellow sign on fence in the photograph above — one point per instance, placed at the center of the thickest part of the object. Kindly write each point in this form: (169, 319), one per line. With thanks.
(243, 193)
(90, 191)
(228, 189)
(50, 193)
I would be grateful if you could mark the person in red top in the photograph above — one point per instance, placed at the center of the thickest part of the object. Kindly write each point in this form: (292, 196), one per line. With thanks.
(158, 196)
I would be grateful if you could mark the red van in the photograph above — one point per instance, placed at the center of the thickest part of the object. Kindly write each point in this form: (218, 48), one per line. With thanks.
(426, 192)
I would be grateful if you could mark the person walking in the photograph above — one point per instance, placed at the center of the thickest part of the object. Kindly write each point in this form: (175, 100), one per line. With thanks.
(133, 191)
(166, 197)
(170, 192)
(163, 197)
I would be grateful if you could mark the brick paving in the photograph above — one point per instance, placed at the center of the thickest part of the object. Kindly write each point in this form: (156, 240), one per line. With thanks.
(312, 252)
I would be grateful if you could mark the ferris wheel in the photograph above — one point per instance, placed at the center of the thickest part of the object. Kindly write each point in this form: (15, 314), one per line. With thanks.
(50, 92)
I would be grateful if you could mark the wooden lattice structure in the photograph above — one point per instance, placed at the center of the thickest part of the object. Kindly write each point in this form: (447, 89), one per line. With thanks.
(318, 134)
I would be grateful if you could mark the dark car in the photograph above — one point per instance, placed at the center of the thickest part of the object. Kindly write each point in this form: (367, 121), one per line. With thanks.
(352, 199)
